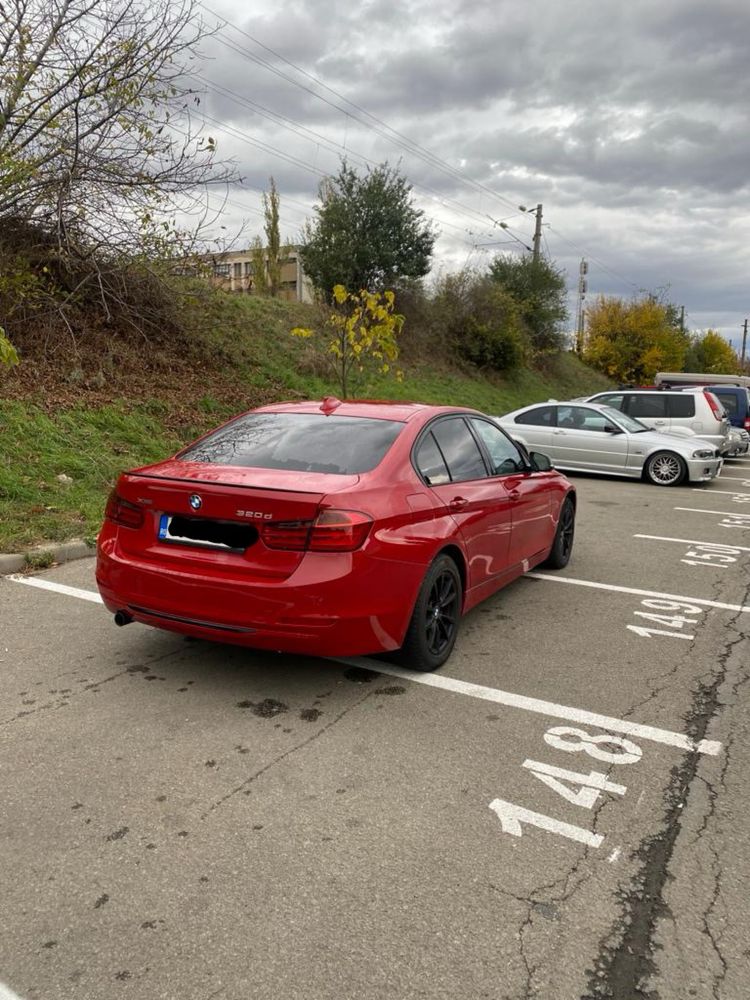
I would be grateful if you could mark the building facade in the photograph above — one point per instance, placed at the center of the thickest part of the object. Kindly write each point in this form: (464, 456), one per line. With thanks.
(233, 271)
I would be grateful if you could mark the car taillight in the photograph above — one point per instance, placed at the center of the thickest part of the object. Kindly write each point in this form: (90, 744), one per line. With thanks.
(715, 405)
(129, 515)
(331, 531)
(746, 424)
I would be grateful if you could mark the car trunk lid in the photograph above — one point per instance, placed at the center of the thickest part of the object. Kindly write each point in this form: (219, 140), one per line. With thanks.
(203, 516)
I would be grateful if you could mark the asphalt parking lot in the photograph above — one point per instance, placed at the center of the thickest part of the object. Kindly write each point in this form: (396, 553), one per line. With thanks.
(560, 813)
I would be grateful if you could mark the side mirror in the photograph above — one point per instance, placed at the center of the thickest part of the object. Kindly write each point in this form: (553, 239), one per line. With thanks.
(611, 429)
(540, 462)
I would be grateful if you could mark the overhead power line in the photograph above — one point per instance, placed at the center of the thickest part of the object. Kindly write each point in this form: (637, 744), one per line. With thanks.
(590, 256)
(312, 136)
(372, 122)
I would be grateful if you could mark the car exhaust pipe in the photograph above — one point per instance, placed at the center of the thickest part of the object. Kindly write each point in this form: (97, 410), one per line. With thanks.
(123, 618)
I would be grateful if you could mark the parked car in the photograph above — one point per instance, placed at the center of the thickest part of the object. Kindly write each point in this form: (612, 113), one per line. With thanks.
(694, 409)
(590, 437)
(739, 442)
(736, 402)
(332, 529)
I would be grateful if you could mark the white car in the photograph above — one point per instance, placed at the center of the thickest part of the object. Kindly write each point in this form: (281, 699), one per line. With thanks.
(589, 437)
(694, 410)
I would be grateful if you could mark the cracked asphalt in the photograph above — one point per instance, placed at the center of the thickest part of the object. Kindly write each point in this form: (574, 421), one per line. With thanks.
(187, 821)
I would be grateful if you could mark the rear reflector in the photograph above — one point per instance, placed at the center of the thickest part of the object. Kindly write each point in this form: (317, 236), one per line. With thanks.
(747, 423)
(121, 512)
(331, 531)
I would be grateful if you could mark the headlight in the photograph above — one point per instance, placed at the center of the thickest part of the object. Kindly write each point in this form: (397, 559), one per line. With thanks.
(704, 453)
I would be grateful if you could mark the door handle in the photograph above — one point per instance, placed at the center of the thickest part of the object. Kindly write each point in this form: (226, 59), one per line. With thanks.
(559, 432)
(514, 494)
(457, 503)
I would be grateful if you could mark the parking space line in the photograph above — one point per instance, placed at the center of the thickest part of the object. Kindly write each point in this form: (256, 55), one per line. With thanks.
(640, 593)
(724, 513)
(726, 493)
(694, 541)
(495, 695)
(732, 479)
(539, 707)
(60, 588)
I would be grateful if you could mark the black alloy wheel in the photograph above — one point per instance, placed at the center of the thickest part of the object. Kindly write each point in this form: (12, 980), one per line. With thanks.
(434, 624)
(562, 546)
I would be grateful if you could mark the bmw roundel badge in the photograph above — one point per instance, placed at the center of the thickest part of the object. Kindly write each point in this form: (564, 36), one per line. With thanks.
(195, 501)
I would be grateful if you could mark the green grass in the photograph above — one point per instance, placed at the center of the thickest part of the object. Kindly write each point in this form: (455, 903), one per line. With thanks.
(247, 340)
(89, 446)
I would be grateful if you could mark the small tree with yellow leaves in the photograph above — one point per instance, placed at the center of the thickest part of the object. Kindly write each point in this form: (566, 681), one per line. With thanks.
(361, 336)
(8, 354)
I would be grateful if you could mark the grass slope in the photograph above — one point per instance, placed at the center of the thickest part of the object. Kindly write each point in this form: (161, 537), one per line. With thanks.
(92, 416)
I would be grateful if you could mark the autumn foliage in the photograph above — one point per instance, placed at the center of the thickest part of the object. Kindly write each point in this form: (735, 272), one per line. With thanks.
(631, 341)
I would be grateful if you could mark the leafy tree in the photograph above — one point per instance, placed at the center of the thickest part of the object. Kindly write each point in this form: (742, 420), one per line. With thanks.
(260, 277)
(367, 234)
(273, 238)
(362, 335)
(97, 145)
(709, 352)
(8, 355)
(538, 289)
(480, 320)
(631, 341)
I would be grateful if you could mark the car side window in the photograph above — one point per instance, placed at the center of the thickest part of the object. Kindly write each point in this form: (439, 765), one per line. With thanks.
(542, 416)
(613, 399)
(682, 405)
(581, 418)
(460, 450)
(729, 401)
(648, 405)
(505, 457)
(430, 463)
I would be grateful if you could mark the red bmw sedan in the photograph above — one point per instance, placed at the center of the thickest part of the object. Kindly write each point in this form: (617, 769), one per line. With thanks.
(332, 529)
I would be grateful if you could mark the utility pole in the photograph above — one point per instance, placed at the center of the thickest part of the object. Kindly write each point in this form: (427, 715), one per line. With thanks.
(583, 270)
(682, 319)
(538, 233)
(744, 344)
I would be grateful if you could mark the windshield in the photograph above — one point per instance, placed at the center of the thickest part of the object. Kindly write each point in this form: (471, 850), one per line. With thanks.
(301, 442)
(629, 423)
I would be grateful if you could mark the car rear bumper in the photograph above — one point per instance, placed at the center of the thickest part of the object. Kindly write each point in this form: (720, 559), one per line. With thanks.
(703, 470)
(334, 604)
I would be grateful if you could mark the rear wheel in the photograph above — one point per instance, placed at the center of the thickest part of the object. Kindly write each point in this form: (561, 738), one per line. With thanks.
(434, 623)
(562, 546)
(665, 469)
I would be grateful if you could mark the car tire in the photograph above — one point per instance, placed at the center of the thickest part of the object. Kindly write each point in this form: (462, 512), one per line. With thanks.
(434, 623)
(664, 468)
(562, 546)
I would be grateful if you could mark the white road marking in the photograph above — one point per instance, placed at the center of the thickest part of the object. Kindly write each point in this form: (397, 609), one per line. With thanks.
(723, 513)
(536, 705)
(453, 684)
(735, 479)
(614, 855)
(59, 588)
(694, 541)
(512, 816)
(641, 593)
(7, 994)
(726, 493)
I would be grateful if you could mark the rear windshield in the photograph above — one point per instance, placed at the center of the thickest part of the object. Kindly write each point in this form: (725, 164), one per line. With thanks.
(300, 442)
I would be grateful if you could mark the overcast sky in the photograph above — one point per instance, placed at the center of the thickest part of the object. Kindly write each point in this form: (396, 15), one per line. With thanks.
(627, 121)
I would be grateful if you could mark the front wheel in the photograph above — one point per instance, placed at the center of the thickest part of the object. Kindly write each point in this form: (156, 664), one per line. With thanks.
(433, 628)
(562, 546)
(665, 469)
